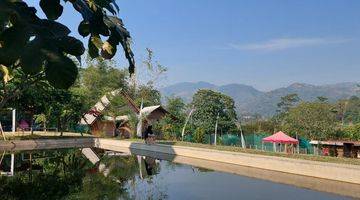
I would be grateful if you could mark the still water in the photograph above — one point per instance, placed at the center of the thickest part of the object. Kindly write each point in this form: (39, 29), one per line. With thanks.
(67, 174)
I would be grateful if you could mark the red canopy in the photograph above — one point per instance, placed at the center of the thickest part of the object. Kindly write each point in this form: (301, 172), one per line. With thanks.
(280, 137)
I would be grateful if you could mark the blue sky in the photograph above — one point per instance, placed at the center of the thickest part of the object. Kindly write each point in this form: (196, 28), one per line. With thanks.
(266, 44)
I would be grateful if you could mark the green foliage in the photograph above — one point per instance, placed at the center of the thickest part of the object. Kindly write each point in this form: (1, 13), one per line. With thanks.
(170, 128)
(199, 135)
(38, 49)
(59, 67)
(312, 120)
(352, 132)
(98, 79)
(33, 101)
(61, 174)
(287, 102)
(208, 104)
(148, 95)
(259, 126)
(352, 110)
(65, 108)
(51, 8)
(97, 187)
(66, 174)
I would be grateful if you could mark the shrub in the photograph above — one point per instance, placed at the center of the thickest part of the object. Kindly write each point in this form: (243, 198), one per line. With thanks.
(199, 135)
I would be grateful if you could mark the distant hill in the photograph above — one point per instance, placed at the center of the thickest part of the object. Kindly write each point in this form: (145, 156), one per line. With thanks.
(251, 101)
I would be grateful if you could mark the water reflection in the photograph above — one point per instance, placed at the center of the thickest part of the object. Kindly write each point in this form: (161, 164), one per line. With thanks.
(64, 174)
(67, 174)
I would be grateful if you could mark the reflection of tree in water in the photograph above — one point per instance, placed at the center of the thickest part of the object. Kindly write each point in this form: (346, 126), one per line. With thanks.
(67, 174)
(56, 176)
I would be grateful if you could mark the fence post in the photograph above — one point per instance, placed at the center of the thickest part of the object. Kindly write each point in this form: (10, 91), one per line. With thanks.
(13, 128)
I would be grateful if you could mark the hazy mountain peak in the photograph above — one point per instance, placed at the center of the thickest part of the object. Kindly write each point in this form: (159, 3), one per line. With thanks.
(250, 100)
(300, 85)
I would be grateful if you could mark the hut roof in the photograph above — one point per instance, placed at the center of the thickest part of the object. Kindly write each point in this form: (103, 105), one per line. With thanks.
(280, 137)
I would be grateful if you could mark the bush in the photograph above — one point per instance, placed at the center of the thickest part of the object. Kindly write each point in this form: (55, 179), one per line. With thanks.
(199, 135)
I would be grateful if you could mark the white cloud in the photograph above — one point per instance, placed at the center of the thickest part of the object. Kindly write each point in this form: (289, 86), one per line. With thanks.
(287, 43)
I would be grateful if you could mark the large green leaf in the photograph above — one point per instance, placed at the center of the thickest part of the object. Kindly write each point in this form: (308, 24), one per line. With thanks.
(93, 50)
(48, 28)
(96, 40)
(97, 25)
(14, 37)
(12, 40)
(108, 51)
(84, 28)
(95, 43)
(52, 8)
(71, 45)
(60, 71)
(32, 59)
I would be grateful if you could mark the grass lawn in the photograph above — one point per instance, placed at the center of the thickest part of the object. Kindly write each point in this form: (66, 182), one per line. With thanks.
(352, 161)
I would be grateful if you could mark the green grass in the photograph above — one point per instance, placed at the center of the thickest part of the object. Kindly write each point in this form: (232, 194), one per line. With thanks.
(352, 161)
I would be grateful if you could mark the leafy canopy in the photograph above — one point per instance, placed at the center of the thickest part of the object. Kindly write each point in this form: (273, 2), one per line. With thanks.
(313, 120)
(42, 46)
(208, 104)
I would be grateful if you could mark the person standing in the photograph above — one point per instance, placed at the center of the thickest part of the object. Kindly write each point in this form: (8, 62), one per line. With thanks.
(149, 135)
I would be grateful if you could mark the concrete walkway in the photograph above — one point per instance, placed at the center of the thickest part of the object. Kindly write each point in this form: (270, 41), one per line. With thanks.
(324, 170)
(42, 144)
(42, 133)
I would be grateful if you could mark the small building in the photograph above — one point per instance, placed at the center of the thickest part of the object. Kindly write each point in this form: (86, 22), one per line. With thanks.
(108, 126)
(120, 126)
(155, 113)
(336, 148)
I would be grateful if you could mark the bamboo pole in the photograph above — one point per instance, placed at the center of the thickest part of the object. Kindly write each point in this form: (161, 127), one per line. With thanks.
(2, 132)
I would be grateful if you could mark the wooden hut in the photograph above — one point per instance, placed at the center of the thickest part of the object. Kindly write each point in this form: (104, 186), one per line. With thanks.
(109, 126)
(349, 149)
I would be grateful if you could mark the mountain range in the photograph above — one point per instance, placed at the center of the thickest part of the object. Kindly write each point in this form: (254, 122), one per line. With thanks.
(249, 100)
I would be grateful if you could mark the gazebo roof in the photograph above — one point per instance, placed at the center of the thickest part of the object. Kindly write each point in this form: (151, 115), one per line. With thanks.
(280, 137)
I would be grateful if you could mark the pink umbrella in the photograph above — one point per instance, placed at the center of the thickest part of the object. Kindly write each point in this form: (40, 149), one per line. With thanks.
(280, 137)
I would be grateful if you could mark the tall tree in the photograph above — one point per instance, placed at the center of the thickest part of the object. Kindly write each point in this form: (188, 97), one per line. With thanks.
(33, 101)
(208, 104)
(351, 113)
(99, 78)
(65, 108)
(287, 102)
(313, 120)
(170, 128)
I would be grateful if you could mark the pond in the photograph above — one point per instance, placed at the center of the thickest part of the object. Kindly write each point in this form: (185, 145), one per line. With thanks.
(67, 174)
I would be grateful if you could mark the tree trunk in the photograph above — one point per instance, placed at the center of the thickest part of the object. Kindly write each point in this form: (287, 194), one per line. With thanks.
(59, 126)
(45, 126)
(2, 133)
(32, 123)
